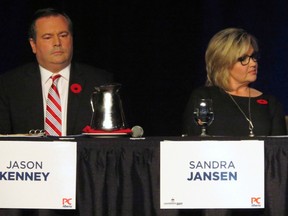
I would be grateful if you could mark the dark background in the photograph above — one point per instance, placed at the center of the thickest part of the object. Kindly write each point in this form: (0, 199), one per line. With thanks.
(155, 48)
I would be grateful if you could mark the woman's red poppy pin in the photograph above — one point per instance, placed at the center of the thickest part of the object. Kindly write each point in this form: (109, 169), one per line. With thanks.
(262, 101)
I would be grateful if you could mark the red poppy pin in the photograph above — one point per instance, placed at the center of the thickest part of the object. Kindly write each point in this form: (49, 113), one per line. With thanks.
(262, 101)
(76, 88)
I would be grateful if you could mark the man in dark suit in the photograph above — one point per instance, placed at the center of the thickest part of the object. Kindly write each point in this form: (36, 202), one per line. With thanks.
(24, 91)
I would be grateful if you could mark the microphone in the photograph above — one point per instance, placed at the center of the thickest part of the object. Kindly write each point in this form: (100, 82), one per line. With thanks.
(137, 131)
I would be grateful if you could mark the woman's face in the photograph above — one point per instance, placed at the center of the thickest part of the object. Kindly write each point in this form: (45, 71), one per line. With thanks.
(241, 74)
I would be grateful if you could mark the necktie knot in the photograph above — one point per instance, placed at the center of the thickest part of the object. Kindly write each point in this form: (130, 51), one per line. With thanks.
(55, 78)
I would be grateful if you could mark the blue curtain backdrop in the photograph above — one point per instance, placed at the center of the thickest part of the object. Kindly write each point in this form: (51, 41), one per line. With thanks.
(156, 48)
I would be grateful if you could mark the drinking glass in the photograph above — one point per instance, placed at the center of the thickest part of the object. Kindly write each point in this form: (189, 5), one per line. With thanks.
(203, 114)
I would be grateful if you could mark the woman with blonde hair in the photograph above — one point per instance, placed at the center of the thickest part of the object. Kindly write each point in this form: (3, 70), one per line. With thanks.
(239, 110)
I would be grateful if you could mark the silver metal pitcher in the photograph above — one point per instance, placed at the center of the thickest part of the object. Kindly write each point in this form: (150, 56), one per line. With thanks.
(107, 108)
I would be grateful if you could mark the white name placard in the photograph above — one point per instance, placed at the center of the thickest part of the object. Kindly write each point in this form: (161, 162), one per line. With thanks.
(212, 174)
(37, 174)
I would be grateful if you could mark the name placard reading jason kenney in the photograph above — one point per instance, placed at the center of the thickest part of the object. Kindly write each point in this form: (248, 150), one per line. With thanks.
(212, 174)
(37, 174)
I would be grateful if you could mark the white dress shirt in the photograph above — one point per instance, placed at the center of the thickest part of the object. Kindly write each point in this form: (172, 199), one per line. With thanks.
(63, 88)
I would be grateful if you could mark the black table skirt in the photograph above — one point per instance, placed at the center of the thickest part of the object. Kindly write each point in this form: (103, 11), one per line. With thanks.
(121, 177)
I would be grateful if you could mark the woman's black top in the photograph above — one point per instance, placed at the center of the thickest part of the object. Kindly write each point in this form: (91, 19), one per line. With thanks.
(267, 114)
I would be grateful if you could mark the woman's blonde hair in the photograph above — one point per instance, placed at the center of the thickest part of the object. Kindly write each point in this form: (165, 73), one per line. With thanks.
(223, 51)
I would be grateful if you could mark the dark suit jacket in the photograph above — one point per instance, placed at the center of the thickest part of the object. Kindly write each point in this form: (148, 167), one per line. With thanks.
(21, 100)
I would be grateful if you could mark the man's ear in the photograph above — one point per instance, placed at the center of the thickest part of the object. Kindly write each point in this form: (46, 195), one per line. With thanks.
(33, 45)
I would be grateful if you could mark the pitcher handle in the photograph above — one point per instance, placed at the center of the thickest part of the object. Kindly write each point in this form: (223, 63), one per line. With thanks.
(91, 101)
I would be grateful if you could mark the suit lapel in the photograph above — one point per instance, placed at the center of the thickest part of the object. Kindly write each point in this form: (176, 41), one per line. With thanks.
(34, 92)
(73, 98)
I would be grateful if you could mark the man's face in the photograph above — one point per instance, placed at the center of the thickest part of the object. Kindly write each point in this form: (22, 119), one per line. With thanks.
(244, 74)
(53, 45)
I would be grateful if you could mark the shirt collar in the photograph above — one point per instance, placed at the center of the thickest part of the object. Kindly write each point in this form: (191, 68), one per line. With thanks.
(46, 74)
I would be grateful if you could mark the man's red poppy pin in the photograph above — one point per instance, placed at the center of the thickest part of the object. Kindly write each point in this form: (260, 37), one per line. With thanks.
(76, 88)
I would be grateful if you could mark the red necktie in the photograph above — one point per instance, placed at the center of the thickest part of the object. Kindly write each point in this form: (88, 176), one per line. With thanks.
(53, 122)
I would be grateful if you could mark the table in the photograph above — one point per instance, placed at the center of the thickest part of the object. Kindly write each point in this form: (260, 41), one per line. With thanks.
(121, 177)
